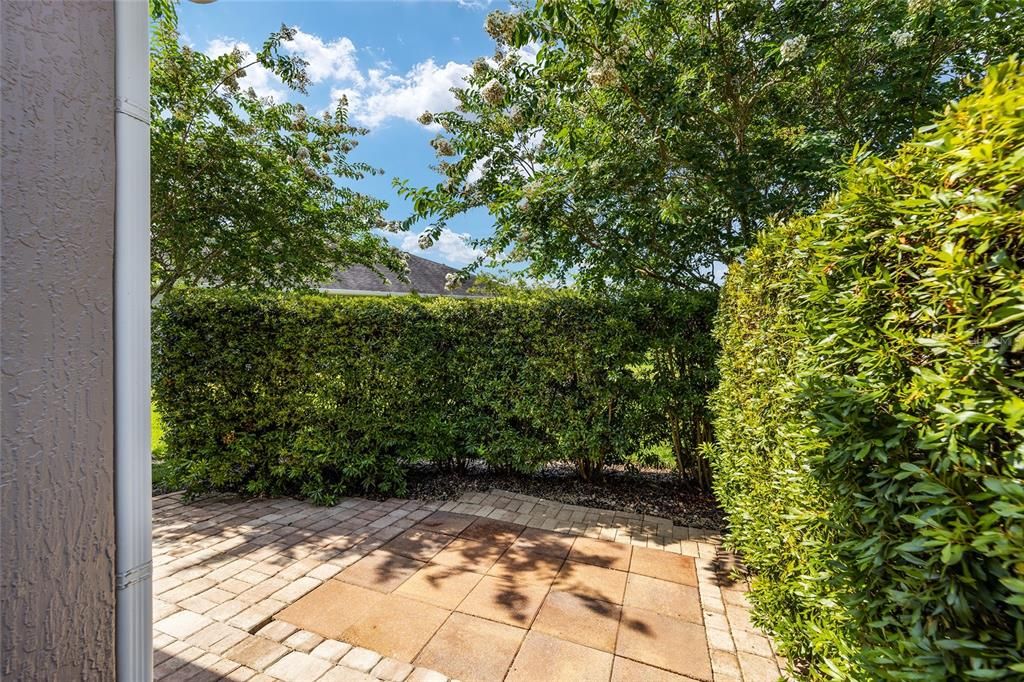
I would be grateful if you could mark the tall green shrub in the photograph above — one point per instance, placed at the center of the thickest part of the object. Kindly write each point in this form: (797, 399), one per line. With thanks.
(318, 395)
(871, 409)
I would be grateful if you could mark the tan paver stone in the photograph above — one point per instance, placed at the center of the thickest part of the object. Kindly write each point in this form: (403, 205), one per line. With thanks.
(361, 659)
(525, 566)
(757, 668)
(543, 657)
(296, 589)
(739, 618)
(303, 640)
(724, 663)
(720, 640)
(299, 667)
(664, 642)
(381, 571)
(625, 670)
(578, 619)
(421, 545)
(331, 608)
(397, 627)
(182, 624)
(545, 542)
(445, 522)
(664, 597)
(587, 580)
(256, 652)
(470, 555)
(491, 530)
(331, 650)
(343, 674)
(664, 566)
(324, 571)
(470, 648)
(391, 669)
(752, 643)
(277, 630)
(505, 601)
(443, 586)
(425, 675)
(601, 553)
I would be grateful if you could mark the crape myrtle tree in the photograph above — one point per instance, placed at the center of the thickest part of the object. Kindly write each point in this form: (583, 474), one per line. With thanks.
(246, 191)
(618, 142)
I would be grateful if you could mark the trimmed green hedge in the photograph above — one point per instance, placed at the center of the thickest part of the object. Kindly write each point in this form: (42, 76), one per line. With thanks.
(318, 395)
(870, 414)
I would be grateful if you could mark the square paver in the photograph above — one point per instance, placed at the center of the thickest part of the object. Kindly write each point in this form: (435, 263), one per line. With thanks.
(256, 652)
(492, 531)
(469, 555)
(664, 597)
(524, 566)
(543, 657)
(625, 670)
(421, 545)
(545, 542)
(445, 522)
(381, 571)
(656, 563)
(601, 553)
(578, 619)
(443, 586)
(594, 582)
(331, 608)
(504, 601)
(664, 642)
(397, 627)
(470, 648)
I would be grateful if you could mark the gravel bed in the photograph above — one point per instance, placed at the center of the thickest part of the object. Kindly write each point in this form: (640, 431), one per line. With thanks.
(646, 491)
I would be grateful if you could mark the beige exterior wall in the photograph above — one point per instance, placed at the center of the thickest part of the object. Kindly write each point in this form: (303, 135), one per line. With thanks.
(57, 545)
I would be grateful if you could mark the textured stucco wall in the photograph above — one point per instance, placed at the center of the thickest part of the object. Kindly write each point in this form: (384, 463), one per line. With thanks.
(56, 340)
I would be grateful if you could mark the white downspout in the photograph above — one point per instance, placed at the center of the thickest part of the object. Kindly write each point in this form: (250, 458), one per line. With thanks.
(132, 455)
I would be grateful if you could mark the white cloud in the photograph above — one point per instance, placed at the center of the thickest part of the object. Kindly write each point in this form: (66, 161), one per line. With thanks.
(426, 87)
(335, 60)
(375, 95)
(265, 83)
(451, 247)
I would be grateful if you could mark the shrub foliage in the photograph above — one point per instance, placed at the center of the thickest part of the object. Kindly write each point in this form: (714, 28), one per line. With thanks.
(319, 395)
(870, 414)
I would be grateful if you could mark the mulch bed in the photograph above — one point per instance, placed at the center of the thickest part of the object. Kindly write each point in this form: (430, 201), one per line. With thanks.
(644, 491)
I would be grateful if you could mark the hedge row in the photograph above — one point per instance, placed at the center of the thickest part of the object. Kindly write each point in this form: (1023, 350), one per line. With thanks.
(321, 395)
(870, 415)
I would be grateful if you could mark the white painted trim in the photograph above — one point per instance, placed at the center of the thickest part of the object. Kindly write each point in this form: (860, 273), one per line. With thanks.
(132, 458)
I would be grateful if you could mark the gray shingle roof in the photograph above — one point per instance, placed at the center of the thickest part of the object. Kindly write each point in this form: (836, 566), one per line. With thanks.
(425, 277)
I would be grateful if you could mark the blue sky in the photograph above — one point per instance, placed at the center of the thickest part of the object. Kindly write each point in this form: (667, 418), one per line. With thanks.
(392, 59)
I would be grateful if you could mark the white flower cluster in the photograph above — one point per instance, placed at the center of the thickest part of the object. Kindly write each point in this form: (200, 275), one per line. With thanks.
(453, 280)
(500, 26)
(515, 116)
(481, 67)
(388, 225)
(442, 146)
(494, 92)
(426, 118)
(792, 48)
(302, 154)
(425, 241)
(603, 74)
(902, 38)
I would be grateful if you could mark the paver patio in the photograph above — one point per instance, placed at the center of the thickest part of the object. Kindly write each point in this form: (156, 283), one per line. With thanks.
(494, 586)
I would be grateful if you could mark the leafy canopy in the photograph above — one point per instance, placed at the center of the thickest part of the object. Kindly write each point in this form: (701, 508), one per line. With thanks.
(247, 191)
(620, 140)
